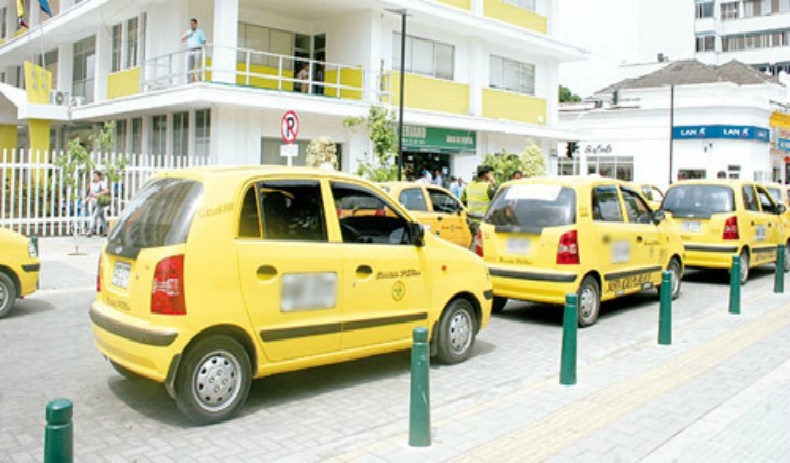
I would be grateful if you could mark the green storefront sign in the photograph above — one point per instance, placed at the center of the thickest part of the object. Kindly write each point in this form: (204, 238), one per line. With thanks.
(437, 140)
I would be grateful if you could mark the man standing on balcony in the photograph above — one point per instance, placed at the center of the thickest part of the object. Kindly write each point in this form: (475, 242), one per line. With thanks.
(195, 38)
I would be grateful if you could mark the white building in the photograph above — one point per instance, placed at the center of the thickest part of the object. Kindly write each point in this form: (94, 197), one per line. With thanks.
(481, 76)
(721, 120)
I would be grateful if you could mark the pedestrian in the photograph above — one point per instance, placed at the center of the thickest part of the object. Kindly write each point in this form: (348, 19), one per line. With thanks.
(438, 178)
(477, 196)
(425, 177)
(517, 175)
(319, 77)
(97, 200)
(457, 187)
(302, 77)
(195, 39)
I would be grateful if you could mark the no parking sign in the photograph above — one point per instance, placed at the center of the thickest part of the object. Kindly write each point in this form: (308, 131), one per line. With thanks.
(289, 127)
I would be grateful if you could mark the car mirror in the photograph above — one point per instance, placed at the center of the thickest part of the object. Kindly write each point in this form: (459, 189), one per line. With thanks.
(658, 216)
(780, 209)
(417, 233)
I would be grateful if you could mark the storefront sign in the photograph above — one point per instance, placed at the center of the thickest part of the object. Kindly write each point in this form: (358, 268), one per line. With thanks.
(433, 139)
(599, 149)
(733, 132)
(783, 144)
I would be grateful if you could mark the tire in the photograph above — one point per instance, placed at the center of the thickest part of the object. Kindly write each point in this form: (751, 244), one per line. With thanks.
(744, 266)
(457, 331)
(676, 268)
(787, 257)
(498, 305)
(589, 301)
(125, 372)
(211, 360)
(8, 294)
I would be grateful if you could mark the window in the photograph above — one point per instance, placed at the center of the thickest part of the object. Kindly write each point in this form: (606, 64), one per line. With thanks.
(532, 207)
(367, 218)
(443, 203)
(181, 134)
(619, 167)
(120, 136)
(292, 210)
(158, 144)
(249, 220)
(635, 207)
(766, 202)
(3, 24)
(706, 42)
(526, 4)
(84, 69)
(750, 199)
(126, 40)
(131, 43)
(425, 57)
(567, 166)
(268, 40)
(202, 132)
(116, 48)
(511, 75)
(729, 10)
(413, 199)
(704, 9)
(49, 61)
(606, 204)
(137, 135)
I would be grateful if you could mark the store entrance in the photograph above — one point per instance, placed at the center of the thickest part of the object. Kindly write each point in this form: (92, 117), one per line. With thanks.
(416, 162)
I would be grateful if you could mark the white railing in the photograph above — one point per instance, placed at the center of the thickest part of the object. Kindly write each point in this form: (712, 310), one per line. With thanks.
(254, 69)
(35, 200)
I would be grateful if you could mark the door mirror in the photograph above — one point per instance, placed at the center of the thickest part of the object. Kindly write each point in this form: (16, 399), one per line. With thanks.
(658, 216)
(780, 209)
(417, 233)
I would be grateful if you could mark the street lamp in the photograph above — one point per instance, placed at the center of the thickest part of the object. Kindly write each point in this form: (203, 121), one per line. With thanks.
(403, 13)
(671, 129)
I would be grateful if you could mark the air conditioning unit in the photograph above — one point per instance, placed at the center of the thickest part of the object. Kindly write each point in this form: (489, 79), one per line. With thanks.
(77, 101)
(58, 97)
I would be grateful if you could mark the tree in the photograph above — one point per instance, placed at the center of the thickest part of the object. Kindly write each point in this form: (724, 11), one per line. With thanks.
(566, 96)
(381, 132)
(530, 163)
(532, 160)
(322, 153)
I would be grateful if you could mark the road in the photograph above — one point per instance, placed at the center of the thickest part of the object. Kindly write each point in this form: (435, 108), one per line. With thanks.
(359, 410)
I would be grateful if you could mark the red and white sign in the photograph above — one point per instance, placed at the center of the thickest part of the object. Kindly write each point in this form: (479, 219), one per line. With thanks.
(289, 127)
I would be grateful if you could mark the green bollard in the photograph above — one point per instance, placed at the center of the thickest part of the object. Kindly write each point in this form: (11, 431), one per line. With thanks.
(58, 438)
(665, 311)
(735, 286)
(779, 275)
(570, 325)
(420, 406)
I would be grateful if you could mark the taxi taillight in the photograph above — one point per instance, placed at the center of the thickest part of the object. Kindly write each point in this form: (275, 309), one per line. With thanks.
(98, 277)
(568, 249)
(731, 229)
(167, 290)
(479, 243)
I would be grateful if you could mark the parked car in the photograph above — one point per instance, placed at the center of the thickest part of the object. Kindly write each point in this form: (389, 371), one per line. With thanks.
(214, 276)
(543, 238)
(19, 267)
(435, 207)
(720, 218)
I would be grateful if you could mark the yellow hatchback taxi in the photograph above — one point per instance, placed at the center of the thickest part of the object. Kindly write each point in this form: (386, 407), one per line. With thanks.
(19, 267)
(214, 276)
(543, 238)
(435, 207)
(720, 218)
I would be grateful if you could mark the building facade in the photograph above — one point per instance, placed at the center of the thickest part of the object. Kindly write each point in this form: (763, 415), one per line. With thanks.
(480, 76)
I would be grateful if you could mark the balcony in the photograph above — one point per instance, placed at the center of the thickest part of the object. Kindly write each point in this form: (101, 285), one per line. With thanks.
(501, 104)
(428, 93)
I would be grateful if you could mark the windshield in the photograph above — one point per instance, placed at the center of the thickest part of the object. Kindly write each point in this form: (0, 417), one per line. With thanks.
(533, 206)
(699, 199)
(159, 215)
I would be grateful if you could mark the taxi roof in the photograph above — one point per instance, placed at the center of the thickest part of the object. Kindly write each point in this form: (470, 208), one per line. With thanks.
(241, 173)
(564, 180)
(717, 181)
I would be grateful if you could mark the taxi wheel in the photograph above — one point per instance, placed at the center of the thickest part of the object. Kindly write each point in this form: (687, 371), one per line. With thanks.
(214, 380)
(7, 294)
(457, 329)
(787, 257)
(675, 269)
(589, 301)
(744, 266)
(498, 305)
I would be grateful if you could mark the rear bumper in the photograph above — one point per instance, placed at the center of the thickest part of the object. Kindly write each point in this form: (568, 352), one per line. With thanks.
(709, 255)
(549, 287)
(135, 344)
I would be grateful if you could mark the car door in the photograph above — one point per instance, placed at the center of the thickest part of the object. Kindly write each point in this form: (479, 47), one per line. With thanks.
(773, 228)
(756, 227)
(648, 252)
(387, 280)
(450, 216)
(290, 273)
(614, 243)
(414, 199)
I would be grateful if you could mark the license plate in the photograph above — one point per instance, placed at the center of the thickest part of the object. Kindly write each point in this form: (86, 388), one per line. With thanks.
(517, 246)
(120, 274)
(690, 225)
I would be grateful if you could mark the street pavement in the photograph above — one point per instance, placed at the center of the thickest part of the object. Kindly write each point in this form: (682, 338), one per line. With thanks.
(720, 392)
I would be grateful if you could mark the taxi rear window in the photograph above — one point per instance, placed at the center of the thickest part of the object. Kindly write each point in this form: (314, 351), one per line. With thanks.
(532, 207)
(159, 215)
(699, 200)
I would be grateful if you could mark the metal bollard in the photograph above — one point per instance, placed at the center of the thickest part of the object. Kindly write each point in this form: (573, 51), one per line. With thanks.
(779, 275)
(420, 404)
(570, 326)
(735, 286)
(665, 310)
(58, 437)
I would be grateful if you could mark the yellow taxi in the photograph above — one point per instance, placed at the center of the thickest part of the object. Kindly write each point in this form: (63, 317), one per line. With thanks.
(720, 218)
(435, 207)
(543, 238)
(19, 266)
(781, 195)
(214, 276)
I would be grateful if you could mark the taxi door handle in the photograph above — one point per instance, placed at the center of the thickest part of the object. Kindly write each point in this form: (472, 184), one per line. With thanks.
(266, 272)
(606, 239)
(639, 239)
(752, 223)
(364, 271)
(439, 218)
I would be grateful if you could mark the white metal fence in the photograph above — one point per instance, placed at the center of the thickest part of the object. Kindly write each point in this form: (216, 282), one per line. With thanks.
(35, 200)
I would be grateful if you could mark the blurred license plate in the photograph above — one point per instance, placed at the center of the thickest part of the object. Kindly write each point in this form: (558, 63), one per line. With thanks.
(690, 225)
(517, 246)
(120, 274)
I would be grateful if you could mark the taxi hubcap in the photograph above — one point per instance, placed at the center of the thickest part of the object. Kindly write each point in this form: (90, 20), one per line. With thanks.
(460, 331)
(3, 296)
(587, 303)
(744, 266)
(216, 380)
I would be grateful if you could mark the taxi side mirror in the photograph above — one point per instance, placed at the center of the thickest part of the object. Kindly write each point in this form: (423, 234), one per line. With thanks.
(658, 216)
(780, 209)
(417, 233)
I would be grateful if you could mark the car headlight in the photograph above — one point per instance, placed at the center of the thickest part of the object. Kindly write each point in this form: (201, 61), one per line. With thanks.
(31, 249)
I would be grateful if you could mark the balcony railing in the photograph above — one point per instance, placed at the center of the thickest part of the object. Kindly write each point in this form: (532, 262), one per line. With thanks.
(252, 68)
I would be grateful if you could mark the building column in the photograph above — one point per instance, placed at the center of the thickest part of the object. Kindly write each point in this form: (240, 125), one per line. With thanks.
(38, 135)
(226, 25)
(103, 62)
(478, 77)
(8, 142)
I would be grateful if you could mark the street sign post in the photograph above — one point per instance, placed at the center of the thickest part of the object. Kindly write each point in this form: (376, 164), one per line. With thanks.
(289, 152)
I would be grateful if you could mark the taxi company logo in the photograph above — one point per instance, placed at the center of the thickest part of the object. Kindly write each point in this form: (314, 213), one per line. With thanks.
(398, 290)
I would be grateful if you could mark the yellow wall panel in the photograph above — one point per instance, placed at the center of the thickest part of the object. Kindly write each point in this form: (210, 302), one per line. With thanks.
(39, 137)
(499, 104)
(497, 9)
(123, 83)
(463, 4)
(348, 77)
(38, 83)
(431, 94)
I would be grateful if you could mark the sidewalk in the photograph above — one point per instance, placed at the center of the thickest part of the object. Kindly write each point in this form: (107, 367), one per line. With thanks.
(68, 264)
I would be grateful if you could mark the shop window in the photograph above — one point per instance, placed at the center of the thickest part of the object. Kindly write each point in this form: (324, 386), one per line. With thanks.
(619, 167)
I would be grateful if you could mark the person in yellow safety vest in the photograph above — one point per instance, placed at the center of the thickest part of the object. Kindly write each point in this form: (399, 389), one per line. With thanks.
(477, 196)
